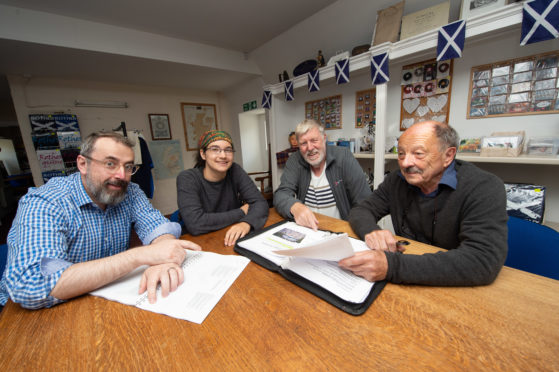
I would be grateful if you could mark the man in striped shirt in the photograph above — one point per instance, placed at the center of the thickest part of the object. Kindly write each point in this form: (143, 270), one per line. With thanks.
(319, 179)
(71, 235)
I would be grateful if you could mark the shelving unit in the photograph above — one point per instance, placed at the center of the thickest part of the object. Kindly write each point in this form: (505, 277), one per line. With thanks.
(485, 26)
(474, 158)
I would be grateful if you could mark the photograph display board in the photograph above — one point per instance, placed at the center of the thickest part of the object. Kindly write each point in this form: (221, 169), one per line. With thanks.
(521, 86)
(327, 111)
(426, 88)
(365, 108)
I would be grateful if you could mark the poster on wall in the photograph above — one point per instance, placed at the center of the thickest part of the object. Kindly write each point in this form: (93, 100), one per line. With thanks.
(197, 118)
(167, 158)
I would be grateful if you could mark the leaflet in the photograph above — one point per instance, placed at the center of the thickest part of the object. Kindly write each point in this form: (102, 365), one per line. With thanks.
(207, 276)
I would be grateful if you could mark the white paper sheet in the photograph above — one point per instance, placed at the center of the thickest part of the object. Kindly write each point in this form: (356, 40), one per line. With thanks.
(332, 248)
(207, 276)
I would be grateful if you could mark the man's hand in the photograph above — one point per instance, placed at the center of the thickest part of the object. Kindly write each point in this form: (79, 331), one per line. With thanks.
(169, 275)
(383, 240)
(304, 216)
(371, 265)
(235, 232)
(244, 208)
(165, 251)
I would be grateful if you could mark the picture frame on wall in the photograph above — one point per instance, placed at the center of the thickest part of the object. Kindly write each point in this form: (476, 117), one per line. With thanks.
(472, 8)
(197, 118)
(160, 127)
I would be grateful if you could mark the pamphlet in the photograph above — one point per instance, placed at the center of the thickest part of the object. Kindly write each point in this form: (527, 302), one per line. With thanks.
(207, 276)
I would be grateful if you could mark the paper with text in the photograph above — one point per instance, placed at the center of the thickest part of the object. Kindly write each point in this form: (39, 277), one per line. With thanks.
(327, 274)
(207, 276)
(331, 248)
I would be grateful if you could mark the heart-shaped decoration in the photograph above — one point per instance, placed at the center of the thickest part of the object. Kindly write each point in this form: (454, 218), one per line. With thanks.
(411, 104)
(439, 118)
(436, 103)
(422, 111)
(406, 123)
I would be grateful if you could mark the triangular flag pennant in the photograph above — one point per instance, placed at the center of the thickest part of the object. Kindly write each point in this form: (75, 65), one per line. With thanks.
(289, 90)
(313, 81)
(379, 69)
(267, 99)
(540, 21)
(342, 71)
(451, 40)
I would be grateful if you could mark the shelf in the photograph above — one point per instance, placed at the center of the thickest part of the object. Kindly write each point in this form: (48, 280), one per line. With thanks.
(474, 158)
(479, 27)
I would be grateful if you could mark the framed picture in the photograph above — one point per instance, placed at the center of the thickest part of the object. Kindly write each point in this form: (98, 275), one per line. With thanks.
(197, 118)
(160, 128)
(472, 8)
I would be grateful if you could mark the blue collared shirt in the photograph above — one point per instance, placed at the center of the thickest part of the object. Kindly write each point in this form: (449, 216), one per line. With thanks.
(58, 225)
(448, 178)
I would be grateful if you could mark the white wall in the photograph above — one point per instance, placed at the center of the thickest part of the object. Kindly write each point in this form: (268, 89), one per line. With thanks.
(41, 95)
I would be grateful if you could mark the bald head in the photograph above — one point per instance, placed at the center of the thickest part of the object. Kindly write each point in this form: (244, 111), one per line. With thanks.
(424, 151)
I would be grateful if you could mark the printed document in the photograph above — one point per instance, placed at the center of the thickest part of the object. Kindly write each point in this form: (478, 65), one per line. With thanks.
(207, 276)
(309, 262)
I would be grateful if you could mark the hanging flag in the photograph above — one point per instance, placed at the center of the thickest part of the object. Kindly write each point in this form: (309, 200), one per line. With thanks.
(451, 40)
(313, 81)
(540, 21)
(379, 69)
(342, 71)
(289, 90)
(267, 99)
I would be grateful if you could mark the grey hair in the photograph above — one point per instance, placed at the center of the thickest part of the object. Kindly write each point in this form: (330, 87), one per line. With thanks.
(88, 145)
(447, 135)
(306, 125)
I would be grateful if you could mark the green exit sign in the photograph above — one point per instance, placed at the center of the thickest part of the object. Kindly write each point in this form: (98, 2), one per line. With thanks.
(252, 105)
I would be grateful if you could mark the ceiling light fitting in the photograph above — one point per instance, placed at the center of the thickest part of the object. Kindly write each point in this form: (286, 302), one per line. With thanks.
(106, 104)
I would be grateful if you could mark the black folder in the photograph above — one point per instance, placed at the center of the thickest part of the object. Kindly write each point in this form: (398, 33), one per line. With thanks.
(347, 306)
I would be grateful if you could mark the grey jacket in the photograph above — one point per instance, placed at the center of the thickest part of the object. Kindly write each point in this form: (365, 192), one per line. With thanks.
(471, 222)
(344, 174)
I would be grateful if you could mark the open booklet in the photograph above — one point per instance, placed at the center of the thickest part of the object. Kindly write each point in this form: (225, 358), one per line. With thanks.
(207, 276)
(309, 259)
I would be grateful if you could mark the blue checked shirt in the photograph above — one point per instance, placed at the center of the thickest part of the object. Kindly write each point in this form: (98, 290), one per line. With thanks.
(57, 225)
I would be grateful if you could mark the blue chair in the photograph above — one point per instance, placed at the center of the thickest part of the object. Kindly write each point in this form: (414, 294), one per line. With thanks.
(176, 217)
(3, 258)
(533, 248)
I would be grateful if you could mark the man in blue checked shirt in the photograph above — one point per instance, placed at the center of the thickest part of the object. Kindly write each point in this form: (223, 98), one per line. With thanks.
(71, 235)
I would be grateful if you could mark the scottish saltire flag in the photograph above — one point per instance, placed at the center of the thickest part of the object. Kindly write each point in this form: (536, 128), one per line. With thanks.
(289, 90)
(342, 71)
(267, 99)
(451, 40)
(540, 21)
(313, 81)
(379, 69)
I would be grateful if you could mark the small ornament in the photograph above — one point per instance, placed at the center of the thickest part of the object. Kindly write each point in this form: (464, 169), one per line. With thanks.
(320, 59)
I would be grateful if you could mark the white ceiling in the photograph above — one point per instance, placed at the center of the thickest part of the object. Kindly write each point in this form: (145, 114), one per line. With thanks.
(239, 25)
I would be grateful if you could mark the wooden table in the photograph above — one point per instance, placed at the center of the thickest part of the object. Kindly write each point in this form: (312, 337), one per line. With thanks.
(267, 323)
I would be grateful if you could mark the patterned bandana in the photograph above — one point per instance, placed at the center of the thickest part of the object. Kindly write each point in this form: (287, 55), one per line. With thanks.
(212, 136)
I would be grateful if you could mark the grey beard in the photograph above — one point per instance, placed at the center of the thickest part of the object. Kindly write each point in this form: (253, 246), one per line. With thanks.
(103, 196)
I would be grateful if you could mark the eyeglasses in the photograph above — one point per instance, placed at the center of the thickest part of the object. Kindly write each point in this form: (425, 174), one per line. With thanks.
(216, 150)
(114, 165)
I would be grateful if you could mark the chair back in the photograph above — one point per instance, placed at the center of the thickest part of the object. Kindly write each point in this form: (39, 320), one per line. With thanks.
(3, 258)
(533, 248)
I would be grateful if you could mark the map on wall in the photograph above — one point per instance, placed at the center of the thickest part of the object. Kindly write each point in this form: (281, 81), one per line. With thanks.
(167, 158)
(197, 118)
